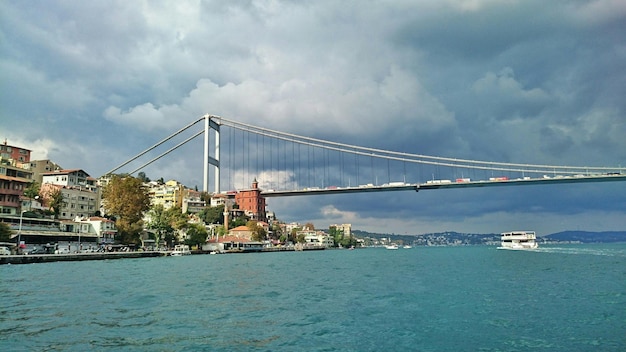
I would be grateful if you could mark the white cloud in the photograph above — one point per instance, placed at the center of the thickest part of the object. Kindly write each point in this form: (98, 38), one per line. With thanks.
(504, 86)
(598, 11)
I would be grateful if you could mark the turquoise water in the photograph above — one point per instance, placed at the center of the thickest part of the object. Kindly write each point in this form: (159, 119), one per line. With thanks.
(562, 298)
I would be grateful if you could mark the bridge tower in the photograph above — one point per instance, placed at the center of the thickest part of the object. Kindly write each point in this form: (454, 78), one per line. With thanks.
(210, 123)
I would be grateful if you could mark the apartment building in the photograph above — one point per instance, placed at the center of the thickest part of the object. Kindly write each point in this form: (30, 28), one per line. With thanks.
(15, 175)
(81, 194)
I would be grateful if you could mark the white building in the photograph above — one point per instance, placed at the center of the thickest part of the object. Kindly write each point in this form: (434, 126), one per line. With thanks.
(95, 228)
(317, 238)
(81, 195)
(345, 228)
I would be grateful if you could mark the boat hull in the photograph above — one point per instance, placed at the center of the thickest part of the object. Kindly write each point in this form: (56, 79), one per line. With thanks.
(519, 241)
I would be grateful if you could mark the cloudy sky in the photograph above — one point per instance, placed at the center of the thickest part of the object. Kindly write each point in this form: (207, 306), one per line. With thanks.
(91, 84)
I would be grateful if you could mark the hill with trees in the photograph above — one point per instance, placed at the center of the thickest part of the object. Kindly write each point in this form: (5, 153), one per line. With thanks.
(451, 238)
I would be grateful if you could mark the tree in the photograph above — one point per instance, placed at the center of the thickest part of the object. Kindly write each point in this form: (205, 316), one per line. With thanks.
(5, 232)
(196, 235)
(293, 234)
(277, 231)
(165, 222)
(31, 192)
(309, 226)
(52, 197)
(336, 234)
(205, 197)
(340, 239)
(127, 199)
(212, 215)
(159, 223)
(258, 232)
(178, 220)
(239, 221)
(142, 176)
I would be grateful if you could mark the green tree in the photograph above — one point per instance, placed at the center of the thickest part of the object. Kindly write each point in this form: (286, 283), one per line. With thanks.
(336, 234)
(220, 231)
(127, 199)
(56, 202)
(258, 232)
(292, 236)
(178, 220)
(277, 232)
(159, 223)
(239, 221)
(5, 232)
(31, 192)
(142, 176)
(196, 235)
(205, 197)
(212, 215)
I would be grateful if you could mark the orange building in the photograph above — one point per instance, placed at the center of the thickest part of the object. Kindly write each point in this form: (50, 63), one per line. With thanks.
(251, 202)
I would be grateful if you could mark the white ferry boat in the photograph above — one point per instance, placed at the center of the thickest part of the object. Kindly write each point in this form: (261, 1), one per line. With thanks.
(391, 246)
(180, 249)
(518, 240)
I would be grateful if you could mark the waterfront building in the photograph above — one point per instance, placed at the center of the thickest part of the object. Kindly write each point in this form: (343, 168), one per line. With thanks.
(316, 238)
(73, 235)
(102, 229)
(38, 232)
(232, 243)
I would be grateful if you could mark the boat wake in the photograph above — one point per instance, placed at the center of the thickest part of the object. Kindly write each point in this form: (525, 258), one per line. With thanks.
(609, 252)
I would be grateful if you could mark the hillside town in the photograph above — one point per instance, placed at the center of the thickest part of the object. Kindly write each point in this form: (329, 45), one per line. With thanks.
(46, 208)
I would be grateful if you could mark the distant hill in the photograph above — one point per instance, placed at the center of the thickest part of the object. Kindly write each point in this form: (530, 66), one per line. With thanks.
(456, 238)
(448, 238)
(588, 237)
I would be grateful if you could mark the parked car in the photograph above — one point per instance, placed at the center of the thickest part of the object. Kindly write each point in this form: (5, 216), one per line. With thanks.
(5, 251)
(41, 250)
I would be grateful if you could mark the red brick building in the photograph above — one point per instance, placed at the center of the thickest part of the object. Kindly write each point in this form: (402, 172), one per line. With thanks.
(251, 202)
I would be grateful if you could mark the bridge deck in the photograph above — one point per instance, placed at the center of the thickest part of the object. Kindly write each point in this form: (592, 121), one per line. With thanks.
(442, 184)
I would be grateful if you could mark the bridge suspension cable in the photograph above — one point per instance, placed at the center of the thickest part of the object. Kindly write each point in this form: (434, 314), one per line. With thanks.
(279, 154)
(412, 158)
(155, 146)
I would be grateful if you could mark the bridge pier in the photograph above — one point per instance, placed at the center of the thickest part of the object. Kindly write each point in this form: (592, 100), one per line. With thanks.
(209, 124)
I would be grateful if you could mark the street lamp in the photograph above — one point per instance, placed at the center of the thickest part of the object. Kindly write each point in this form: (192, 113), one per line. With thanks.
(19, 231)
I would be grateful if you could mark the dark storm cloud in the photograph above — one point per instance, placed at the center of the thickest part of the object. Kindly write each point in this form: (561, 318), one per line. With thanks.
(513, 81)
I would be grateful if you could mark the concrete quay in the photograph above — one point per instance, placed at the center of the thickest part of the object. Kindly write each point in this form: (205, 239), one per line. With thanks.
(48, 258)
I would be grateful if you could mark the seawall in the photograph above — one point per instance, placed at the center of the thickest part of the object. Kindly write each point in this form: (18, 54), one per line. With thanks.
(47, 258)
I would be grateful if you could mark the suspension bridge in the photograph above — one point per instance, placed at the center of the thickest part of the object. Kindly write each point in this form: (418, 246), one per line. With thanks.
(286, 164)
